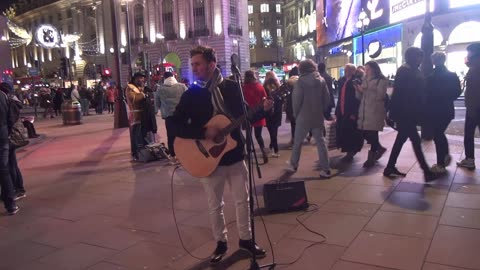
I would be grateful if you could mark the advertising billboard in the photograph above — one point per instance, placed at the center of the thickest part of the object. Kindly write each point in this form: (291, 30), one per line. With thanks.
(463, 3)
(336, 19)
(401, 10)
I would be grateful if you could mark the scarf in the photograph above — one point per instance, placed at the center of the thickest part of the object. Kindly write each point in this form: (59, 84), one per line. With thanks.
(217, 97)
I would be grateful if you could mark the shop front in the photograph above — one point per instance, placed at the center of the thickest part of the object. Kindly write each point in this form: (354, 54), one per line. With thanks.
(384, 46)
(336, 56)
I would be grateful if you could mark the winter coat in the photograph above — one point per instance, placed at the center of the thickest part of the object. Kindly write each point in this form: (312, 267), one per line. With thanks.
(135, 101)
(111, 95)
(274, 117)
(349, 100)
(329, 81)
(472, 92)
(288, 103)
(6, 121)
(310, 98)
(443, 87)
(75, 95)
(408, 98)
(169, 95)
(254, 94)
(371, 114)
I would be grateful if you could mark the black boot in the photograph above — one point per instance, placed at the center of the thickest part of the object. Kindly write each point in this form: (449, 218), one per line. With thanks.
(252, 248)
(265, 156)
(370, 160)
(392, 171)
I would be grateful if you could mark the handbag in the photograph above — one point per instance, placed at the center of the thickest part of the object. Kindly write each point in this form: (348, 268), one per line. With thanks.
(16, 139)
(331, 134)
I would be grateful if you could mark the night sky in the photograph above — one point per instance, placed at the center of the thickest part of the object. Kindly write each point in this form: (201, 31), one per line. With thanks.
(4, 4)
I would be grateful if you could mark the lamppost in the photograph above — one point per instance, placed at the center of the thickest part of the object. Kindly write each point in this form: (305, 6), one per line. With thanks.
(362, 24)
(121, 118)
(427, 66)
(161, 38)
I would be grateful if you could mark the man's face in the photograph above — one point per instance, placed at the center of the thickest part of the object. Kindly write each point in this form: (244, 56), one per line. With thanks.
(201, 68)
(472, 60)
(140, 81)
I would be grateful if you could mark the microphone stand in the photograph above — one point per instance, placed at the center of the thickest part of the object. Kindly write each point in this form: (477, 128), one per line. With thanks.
(250, 148)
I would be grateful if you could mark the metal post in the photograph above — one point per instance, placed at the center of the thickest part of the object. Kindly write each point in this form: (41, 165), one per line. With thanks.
(129, 40)
(363, 47)
(120, 119)
(427, 65)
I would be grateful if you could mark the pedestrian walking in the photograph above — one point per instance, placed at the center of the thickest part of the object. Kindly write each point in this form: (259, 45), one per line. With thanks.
(111, 91)
(293, 76)
(274, 117)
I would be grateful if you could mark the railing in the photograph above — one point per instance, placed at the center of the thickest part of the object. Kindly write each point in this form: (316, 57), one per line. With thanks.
(235, 30)
(198, 33)
(171, 36)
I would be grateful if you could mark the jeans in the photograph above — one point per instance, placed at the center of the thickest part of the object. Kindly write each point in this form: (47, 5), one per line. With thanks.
(407, 131)
(371, 136)
(441, 142)
(6, 184)
(471, 123)
(258, 136)
(300, 133)
(15, 173)
(236, 176)
(273, 131)
(110, 106)
(85, 103)
(170, 126)
(137, 138)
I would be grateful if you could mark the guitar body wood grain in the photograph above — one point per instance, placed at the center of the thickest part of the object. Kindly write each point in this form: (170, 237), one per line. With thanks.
(194, 160)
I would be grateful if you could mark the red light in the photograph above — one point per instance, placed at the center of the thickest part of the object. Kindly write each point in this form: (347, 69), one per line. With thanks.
(107, 71)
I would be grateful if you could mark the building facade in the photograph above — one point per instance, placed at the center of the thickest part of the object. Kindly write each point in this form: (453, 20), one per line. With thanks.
(265, 31)
(153, 35)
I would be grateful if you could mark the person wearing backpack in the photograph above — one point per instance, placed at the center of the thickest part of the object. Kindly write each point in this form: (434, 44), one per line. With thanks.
(371, 113)
(6, 124)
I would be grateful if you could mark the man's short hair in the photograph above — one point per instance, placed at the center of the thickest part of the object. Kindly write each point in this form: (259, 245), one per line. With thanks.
(411, 55)
(474, 48)
(207, 53)
(167, 74)
(322, 67)
(6, 88)
(307, 66)
(439, 58)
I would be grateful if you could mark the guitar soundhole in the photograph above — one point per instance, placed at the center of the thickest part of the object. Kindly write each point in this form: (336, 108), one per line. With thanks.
(216, 150)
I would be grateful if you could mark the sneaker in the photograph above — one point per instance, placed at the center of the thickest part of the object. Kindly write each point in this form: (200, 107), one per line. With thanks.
(468, 163)
(380, 153)
(438, 169)
(275, 155)
(252, 248)
(326, 174)
(20, 195)
(219, 252)
(392, 171)
(447, 160)
(13, 210)
(290, 168)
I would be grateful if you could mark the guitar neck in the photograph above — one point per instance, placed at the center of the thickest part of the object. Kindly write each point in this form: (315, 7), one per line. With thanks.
(235, 124)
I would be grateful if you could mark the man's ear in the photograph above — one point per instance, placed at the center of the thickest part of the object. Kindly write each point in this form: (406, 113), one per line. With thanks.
(212, 66)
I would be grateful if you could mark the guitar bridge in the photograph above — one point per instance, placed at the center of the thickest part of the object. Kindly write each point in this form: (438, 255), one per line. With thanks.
(201, 148)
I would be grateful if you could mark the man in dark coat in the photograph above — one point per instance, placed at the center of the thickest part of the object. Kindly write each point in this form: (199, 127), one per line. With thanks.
(328, 79)
(407, 109)
(443, 87)
(6, 124)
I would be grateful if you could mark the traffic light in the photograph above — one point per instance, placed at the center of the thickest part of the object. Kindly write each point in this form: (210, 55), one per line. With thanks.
(106, 72)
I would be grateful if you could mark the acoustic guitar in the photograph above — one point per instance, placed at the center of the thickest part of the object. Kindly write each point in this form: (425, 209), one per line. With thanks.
(200, 157)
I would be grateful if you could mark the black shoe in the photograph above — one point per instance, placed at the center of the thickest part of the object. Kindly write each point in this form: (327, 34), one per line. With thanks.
(219, 252)
(392, 171)
(371, 160)
(12, 211)
(252, 248)
(430, 176)
(20, 195)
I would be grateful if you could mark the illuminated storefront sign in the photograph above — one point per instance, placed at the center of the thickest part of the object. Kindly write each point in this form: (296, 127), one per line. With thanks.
(401, 10)
(463, 3)
(47, 36)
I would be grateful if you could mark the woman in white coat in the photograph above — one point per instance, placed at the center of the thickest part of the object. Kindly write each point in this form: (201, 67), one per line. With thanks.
(371, 115)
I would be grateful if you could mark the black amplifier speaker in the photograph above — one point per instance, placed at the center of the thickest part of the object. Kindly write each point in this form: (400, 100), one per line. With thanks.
(285, 196)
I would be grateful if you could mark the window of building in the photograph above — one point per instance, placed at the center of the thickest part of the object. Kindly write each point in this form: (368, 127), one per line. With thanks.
(279, 32)
(252, 39)
(59, 16)
(264, 8)
(138, 21)
(278, 8)
(266, 37)
(250, 9)
(199, 15)
(70, 29)
(251, 23)
(167, 17)
(233, 14)
(50, 19)
(279, 22)
(69, 13)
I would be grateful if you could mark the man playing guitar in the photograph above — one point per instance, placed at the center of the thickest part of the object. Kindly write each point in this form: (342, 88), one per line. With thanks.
(209, 96)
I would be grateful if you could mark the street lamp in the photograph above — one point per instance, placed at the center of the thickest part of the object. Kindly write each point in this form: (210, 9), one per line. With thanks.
(362, 24)
(124, 5)
(161, 38)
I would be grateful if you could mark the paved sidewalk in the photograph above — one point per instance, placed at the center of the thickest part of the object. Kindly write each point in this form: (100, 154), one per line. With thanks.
(89, 207)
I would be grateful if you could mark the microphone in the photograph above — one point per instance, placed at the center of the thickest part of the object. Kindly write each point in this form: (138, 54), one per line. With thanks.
(235, 70)
(234, 67)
